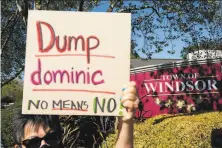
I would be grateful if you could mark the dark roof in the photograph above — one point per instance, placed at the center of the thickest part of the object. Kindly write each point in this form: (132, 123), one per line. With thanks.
(135, 63)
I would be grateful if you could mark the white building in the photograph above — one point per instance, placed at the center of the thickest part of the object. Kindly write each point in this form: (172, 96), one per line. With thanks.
(204, 54)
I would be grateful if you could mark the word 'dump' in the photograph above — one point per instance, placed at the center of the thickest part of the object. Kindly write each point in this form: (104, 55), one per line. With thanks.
(68, 41)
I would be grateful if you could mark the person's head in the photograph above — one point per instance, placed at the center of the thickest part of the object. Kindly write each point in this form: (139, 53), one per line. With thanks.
(34, 131)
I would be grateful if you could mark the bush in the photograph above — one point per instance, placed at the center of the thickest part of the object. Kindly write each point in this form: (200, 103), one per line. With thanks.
(173, 131)
(86, 131)
(8, 113)
(7, 99)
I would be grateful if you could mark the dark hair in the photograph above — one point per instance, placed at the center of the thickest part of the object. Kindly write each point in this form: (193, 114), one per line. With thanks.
(46, 121)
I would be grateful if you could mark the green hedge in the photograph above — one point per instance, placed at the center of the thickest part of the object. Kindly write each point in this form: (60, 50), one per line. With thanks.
(6, 123)
(8, 113)
(173, 131)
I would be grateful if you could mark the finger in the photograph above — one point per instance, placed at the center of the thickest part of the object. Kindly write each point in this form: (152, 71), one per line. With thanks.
(137, 102)
(129, 96)
(130, 105)
(129, 89)
(132, 83)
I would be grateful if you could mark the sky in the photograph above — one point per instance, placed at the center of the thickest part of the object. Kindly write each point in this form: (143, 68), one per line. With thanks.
(178, 44)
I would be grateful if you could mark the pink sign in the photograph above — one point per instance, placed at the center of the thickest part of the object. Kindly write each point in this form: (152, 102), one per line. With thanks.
(185, 86)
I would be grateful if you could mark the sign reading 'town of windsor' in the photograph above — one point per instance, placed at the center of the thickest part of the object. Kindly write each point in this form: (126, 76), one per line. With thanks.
(183, 86)
(76, 62)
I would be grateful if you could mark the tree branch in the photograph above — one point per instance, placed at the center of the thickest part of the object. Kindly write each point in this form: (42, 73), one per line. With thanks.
(10, 33)
(23, 9)
(12, 78)
(13, 17)
(139, 8)
(81, 3)
(112, 6)
(156, 11)
(149, 14)
(47, 4)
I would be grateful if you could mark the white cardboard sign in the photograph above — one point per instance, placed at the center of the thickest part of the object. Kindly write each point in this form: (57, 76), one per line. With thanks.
(76, 62)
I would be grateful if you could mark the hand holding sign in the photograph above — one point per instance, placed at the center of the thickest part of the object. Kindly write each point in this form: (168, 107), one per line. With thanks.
(129, 100)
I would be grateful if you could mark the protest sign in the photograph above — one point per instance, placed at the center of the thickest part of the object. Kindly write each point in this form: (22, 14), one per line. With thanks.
(76, 62)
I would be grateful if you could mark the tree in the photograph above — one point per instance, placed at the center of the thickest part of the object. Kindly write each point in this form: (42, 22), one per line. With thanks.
(186, 20)
(207, 33)
(13, 30)
(13, 42)
(13, 90)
